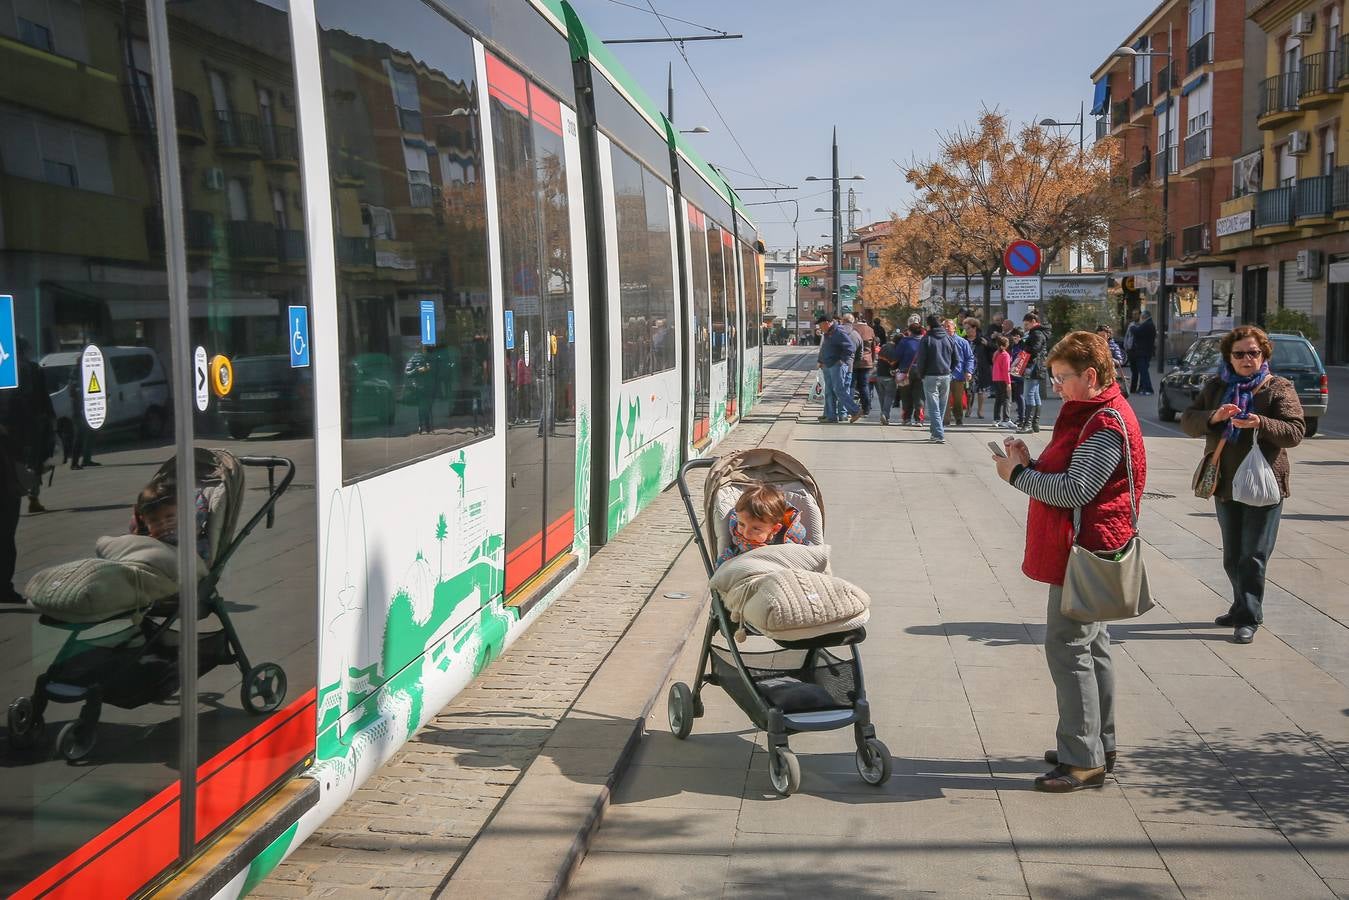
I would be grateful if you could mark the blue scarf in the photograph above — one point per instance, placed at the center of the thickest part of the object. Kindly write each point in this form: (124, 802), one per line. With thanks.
(1240, 391)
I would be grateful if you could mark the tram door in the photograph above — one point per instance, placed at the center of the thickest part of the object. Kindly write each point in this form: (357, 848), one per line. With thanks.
(539, 329)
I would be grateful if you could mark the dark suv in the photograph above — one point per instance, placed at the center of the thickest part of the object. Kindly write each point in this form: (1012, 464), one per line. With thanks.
(1294, 358)
(267, 391)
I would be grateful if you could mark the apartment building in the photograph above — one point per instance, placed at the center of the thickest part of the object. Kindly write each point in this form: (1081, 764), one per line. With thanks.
(1288, 234)
(1178, 108)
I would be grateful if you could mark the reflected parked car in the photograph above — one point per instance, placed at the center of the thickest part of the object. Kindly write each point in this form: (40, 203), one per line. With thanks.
(267, 391)
(1294, 358)
(368, 389)
(137, 390)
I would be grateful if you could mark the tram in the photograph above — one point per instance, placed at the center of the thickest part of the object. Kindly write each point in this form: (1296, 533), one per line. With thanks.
(445, 260)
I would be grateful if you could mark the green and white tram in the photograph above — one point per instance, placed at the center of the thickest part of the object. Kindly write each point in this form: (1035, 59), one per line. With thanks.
(441, 259)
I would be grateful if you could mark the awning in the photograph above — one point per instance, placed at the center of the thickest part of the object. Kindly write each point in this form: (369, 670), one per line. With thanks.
(1101, 101)
(1193, 85)
(1161, 108)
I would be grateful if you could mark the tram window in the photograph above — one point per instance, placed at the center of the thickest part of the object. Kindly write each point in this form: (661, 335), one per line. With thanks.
(699, 302)
(717, 270)
(410, 228)
(753, 314)
(645, 274)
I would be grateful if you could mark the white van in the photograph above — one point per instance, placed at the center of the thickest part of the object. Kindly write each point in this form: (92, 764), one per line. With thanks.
(137, 390)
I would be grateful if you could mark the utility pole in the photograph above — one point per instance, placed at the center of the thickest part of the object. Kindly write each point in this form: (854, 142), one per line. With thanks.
(836, 257)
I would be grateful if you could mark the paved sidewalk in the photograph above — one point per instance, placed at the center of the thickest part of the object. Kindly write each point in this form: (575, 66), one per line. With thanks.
(1233, 778)
(407, 830)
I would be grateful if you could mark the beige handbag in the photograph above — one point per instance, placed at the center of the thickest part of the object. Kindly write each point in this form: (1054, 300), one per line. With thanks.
(1110, 585)
(1205, 481)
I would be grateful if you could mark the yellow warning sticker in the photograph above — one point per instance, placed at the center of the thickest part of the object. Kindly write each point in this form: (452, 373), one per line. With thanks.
(94, 386)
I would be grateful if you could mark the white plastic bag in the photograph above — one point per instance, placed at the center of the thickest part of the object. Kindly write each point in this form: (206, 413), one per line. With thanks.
(1255, 484)
(817, 387)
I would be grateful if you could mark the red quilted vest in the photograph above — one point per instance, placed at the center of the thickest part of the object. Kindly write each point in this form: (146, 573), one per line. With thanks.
(1105, 520)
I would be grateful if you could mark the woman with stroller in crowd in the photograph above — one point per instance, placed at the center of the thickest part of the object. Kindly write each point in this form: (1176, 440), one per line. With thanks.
(1084, 467)
(1243, 407)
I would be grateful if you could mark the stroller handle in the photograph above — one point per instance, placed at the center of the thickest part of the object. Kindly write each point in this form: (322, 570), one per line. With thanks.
(687, 496)
(267, 510)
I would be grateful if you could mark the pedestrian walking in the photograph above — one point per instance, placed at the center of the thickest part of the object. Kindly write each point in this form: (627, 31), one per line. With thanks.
(1141, 345)
(36, 422)
(864, 361)
(983, 363)
(1116, 354)
(1001, 377)
(938, 357)
(836, 353)
(1036, 343)
(961, 377)
(1018, 382)
(1244, 408)
(887, 367)
(13, 424)
(1083, 469)
(908, 385)
(82, 442)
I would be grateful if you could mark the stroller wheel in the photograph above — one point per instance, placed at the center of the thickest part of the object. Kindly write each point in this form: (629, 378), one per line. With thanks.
(873, 762)
(76, 739)
(264, 688)
(784, 770)
(24, 724)
(681, 710)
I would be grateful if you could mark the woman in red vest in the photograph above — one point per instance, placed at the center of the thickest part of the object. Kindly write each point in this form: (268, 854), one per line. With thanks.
(1083, 467)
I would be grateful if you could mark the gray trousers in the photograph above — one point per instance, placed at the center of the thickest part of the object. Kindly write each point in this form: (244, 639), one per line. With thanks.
(1084, 680)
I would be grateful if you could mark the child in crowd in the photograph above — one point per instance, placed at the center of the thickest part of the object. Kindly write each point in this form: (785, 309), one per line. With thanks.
(156, 515)
(1018, 383)
(762, 516)
(1002, 381)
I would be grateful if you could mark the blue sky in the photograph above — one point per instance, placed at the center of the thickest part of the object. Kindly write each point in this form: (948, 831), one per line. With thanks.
(890, 75)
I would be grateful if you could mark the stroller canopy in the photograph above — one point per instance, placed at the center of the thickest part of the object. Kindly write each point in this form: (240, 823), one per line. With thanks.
(727, 480)
(220, 480)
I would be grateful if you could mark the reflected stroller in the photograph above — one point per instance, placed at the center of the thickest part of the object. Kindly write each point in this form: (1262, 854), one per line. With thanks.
(137, 664)
(793, 686)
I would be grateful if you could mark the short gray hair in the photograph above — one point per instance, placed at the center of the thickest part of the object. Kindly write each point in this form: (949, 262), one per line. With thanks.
(848, 317)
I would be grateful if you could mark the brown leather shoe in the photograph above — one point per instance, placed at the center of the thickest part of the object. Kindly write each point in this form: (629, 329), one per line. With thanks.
(1066, 779)
(1052, 757)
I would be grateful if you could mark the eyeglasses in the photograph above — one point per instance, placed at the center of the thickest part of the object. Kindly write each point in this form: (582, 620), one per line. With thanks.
(1058, 380)
(1247, 354)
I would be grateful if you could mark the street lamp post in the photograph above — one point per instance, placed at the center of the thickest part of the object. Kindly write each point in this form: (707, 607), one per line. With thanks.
(1165, 297)
(836, 257)
(1081, 143)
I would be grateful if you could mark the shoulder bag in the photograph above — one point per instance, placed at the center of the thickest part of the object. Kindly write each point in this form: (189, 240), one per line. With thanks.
(1205, 481)
(1103, 587)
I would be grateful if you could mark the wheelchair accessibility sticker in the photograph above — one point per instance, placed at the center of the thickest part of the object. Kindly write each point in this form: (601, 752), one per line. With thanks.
(299, 336)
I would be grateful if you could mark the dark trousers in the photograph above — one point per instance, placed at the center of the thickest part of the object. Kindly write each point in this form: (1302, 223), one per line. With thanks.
(1249, 533)
(9, 553)
(1000, 401)
(82, 446)
(1140, 374)
(863, 389)
(1018, 385)
(911, 398)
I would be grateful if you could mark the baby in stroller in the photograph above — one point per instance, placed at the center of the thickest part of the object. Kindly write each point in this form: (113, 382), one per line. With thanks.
(762, 516)
(156, 515)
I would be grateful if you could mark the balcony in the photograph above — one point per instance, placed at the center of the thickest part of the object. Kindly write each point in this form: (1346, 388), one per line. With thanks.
(1313, 197)
(355, 251)
(280, 146)
(1164, 250)
(198, 225)
(1167, 78)
(140, 105)
(1198, 147)
(1142, 98)
(347, 170)
(238, 133)
(1139, 174)
(252, 240)
(1102, 127)
(1340, 189)
(422, 196)
(1119, 113)
(1200, 53)
(1119, 259)
(1194, 240)
(1278, 100)
(1316, 77)
(1159, 162)
(1140, 252)
(1342, 63)
(410, 120)
(1274, 209)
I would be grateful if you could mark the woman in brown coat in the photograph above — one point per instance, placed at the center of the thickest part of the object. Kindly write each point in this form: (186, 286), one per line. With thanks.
(1245, 402)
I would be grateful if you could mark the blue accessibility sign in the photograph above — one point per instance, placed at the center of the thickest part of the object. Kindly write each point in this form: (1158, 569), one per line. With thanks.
(428, 308)
(9, 346)
(298, 317)
(510, 329)
(571, 326)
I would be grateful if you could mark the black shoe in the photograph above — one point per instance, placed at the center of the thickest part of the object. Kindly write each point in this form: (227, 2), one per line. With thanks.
(1226, 620)
(75, 467)
(1052, 757)
(13, 597)
(1244, 634)
(92, 463)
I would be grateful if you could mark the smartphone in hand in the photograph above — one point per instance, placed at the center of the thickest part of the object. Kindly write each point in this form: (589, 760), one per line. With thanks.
(997, 449)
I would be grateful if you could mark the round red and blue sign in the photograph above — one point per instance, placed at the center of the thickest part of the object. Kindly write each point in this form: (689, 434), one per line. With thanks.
(1022, 258)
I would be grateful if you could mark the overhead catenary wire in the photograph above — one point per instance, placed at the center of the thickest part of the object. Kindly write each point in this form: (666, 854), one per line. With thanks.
(721, 118)
(671, 18)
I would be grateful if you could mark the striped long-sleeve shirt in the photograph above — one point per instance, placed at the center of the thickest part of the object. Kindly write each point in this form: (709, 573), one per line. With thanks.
(1093, 462)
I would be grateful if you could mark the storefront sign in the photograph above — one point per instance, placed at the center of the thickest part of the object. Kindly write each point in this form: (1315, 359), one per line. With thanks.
(95, 384)
(1235, 223)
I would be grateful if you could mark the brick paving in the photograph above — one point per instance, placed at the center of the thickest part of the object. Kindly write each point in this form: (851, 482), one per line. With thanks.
(403, 833)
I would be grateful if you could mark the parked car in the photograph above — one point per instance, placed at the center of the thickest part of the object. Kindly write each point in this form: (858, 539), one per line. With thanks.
(368, 392)
(268, 391)
(1294, 358)
(137, 390)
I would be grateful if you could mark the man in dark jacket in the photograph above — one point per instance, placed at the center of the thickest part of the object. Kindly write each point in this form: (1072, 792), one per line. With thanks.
(1037, 343)
(1142, 340)
(837, 349)
(938, 357)
(910, 386)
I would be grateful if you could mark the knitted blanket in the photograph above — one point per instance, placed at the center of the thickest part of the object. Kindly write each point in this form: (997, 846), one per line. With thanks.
(786, 592)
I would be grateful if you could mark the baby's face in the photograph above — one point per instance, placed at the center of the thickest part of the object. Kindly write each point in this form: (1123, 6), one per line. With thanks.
(161, 520)
(754, 531)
